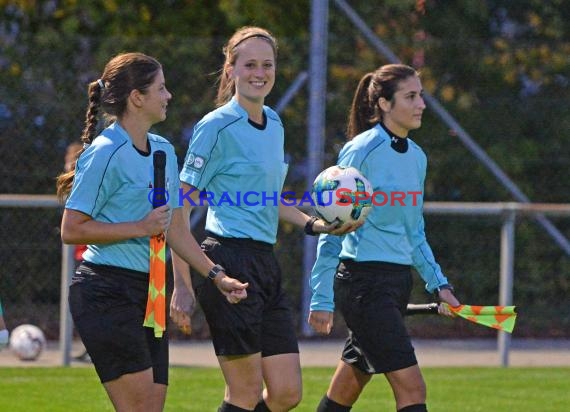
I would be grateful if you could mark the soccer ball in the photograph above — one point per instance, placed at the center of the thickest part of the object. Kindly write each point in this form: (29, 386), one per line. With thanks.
(342, 194)
(27, 342)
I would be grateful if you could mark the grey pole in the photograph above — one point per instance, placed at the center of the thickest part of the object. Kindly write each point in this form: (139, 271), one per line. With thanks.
(315, 132)
(65, 323)
(291, 91)
(506, 283)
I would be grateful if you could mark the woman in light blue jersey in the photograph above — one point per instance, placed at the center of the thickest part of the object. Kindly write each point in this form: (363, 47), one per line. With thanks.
(4, 334)
(236, 157)
(367, 273)
(109, 210)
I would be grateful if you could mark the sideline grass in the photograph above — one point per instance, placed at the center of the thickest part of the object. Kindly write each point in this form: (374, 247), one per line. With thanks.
(200, 390)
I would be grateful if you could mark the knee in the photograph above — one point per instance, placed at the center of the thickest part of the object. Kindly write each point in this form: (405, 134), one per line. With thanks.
(287, 399)
(247, 395)
(420, 390)
(293, 398)
(416, 391)
(410, 392)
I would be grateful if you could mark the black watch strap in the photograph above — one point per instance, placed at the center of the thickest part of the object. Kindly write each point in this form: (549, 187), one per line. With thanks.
(309, 226)
(442, 287)
(214, 271)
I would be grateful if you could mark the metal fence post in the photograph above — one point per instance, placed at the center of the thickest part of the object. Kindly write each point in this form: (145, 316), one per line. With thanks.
(506, 282)
(65, 322)
(316, 130)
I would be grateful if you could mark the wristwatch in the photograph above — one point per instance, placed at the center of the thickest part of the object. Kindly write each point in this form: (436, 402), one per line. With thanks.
(442, 287)
(216, 269)
(309, 226)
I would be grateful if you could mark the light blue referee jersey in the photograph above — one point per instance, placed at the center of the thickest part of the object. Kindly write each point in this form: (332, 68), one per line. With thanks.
(394, 229)
(242, 169)
(113, 184)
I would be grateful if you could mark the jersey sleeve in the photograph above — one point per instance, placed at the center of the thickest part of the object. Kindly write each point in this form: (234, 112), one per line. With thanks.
(424, 260)
(323, 272)
(201, 163)
(94, 182)
(422, 255)
(350, 157)
(328, 250)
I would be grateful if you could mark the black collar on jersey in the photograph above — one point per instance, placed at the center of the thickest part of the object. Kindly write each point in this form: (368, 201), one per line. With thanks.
(399, 144)
(257, 125)
(144, 153)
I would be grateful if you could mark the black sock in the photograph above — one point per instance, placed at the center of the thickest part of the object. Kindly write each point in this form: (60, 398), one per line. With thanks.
(228, 407)
(328, 405)
(261, 407)
(417, 407)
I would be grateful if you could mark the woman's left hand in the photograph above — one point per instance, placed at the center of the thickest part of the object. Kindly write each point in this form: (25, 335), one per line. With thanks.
(447, 296)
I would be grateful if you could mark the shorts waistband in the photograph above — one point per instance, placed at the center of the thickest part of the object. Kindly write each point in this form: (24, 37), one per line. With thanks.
(373, 266)
(241, 242)
(114, 270)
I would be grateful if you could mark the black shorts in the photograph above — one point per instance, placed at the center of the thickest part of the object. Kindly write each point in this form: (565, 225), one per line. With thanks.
(372, 297)
(108, 308)
(262, 322)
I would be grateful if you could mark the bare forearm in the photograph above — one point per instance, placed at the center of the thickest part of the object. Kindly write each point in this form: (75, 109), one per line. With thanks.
(293, 215)
(92, 232)
(185, 247)
(79, 228)
(181, 271)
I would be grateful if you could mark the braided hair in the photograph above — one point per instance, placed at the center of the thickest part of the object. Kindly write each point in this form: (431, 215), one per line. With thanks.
(123, 73)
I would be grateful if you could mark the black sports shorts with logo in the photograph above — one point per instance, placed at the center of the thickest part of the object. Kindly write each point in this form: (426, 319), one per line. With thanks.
(372, 297)
(262, 322)
(108, 306)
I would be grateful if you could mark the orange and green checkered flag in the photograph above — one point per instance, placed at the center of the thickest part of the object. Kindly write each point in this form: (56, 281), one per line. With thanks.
(496, 317)
(155, 316)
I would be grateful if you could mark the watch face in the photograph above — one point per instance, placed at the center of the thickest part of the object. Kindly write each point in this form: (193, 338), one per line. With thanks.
(214, 271)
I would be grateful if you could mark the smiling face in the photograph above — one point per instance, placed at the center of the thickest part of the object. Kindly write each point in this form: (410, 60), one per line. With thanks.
(253, 71)
(404, 111)
(156, 99)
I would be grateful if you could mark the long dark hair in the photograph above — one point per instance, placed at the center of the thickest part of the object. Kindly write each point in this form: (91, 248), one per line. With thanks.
(123, 73)
(365, 111)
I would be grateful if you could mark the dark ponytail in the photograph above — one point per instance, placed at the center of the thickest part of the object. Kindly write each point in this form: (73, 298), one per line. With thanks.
(360, 109)
(365, 110)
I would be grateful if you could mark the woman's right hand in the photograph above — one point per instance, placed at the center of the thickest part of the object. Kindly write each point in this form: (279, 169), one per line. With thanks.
(231, 288)
(320, 226)
(157, 221)
(182, 305)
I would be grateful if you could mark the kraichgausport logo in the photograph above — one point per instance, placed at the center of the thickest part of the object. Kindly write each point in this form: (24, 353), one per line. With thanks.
(341, 197)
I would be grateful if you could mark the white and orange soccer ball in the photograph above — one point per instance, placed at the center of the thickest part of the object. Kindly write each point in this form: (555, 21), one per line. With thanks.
(341, 194)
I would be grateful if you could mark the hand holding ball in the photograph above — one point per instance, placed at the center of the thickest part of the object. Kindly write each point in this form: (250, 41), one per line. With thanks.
(342, 195)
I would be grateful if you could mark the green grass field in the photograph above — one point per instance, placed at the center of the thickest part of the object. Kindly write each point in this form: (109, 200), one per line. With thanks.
(201, 389)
